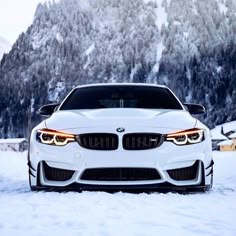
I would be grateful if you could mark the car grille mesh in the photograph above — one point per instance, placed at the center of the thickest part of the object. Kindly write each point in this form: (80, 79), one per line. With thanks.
(187, 173)
(120, 174)
(55, 174)
(141, 141)
(99, 141)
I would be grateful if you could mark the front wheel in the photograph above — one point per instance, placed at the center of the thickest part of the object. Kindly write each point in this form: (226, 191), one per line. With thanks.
(212, 179)
(32, 187)
(32, 176)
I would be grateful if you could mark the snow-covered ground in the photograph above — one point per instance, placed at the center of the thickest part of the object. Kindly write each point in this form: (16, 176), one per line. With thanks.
(23, 212)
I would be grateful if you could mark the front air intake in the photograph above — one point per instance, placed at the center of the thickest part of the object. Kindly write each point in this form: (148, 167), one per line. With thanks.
(183, 174)
(120, 174)
(141, 141)
(98, 141)
(56, 174)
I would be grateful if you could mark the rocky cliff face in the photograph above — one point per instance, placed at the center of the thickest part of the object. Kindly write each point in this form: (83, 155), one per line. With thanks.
(189, 45)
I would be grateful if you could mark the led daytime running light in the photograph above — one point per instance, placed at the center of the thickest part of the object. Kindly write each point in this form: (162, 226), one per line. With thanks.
(55, 134)
(186, 136)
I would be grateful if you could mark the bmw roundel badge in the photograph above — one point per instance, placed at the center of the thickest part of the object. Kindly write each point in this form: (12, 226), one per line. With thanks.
(120, 130)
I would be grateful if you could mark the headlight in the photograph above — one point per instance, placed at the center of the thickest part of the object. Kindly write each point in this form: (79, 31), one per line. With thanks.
(53, 137)
(186, 137)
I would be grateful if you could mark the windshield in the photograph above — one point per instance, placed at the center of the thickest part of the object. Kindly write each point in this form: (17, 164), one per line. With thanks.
(121, 96)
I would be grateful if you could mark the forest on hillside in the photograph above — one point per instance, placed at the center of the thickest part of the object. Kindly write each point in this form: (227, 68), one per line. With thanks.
(187, 45)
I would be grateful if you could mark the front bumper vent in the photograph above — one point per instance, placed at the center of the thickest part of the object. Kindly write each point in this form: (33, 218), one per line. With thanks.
(183, 174)
(99, 141)
(141, 141)
(55, 174)
(120, 174)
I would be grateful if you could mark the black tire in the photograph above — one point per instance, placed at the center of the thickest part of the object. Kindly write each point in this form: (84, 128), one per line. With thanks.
(212, 179)
(32, 188)
(209, 187)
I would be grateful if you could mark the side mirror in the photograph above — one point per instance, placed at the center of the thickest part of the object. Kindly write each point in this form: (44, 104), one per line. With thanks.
(195, 109)
(47, 110)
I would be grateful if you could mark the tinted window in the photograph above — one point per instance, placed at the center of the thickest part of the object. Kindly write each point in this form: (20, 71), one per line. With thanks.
(121, 96)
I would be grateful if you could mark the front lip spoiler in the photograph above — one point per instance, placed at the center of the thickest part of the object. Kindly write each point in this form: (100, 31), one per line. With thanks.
(162, 188)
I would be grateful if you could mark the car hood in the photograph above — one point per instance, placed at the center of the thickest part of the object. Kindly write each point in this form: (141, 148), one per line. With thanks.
(120, 117)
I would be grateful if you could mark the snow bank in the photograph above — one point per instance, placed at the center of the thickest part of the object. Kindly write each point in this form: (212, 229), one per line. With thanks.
(227, 127)
(97, 213)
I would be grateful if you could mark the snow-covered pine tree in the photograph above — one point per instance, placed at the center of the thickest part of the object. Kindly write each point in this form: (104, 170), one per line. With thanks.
(189, 45)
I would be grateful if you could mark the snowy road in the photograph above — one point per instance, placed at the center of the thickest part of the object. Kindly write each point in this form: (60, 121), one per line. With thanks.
(97, 213)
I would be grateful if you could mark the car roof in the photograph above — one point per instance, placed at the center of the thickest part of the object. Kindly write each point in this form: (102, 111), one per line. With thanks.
(120, 84)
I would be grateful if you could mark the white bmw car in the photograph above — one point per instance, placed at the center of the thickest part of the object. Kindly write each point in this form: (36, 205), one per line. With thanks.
(121, 137)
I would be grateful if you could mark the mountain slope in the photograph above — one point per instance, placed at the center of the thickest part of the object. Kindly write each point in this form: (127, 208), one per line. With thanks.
(189, 45)
(4, 46)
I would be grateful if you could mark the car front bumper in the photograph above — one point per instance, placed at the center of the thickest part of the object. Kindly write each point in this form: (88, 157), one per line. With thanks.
(74, 158)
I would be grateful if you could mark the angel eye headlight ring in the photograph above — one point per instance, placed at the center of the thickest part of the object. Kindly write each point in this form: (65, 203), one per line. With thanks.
(53, 137)
(186, 137)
